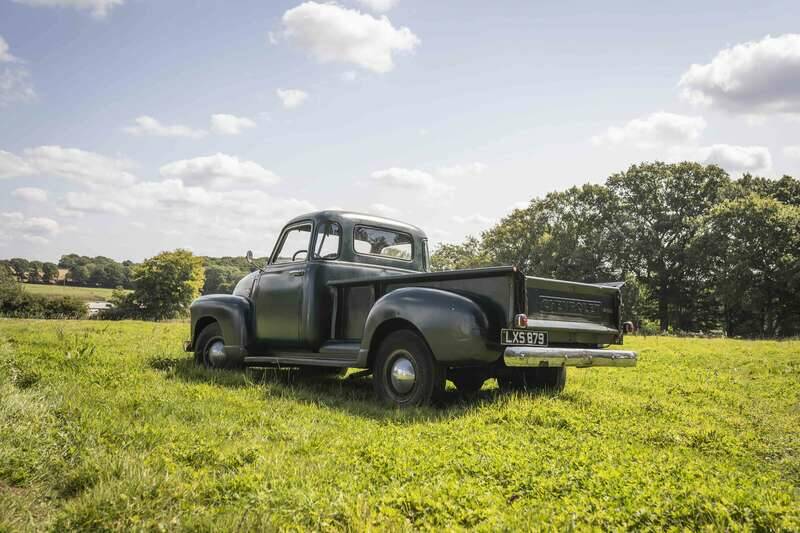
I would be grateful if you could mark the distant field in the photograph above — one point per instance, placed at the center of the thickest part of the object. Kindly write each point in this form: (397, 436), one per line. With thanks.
(109, 426)
(86, 294)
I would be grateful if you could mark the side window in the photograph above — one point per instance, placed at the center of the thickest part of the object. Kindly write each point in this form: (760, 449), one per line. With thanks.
(328, 241)
(294, 245)
(383, 242)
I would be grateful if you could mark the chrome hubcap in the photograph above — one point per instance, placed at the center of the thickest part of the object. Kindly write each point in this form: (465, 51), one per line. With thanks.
(216, 353)
(402, 374)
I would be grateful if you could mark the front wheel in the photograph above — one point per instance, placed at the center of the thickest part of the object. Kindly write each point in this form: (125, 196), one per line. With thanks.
(405, 374)
(543, 379)
(210, 348)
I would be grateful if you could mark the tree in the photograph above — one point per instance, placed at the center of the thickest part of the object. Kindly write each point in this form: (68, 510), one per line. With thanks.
(752, 248)
(469, 254)
(167, 283)
(49, 272)
(656, 208)
(20, 267)
(34, 272)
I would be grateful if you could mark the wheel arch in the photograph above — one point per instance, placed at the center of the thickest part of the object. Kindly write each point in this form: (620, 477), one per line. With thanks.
(231, 312)
(385, 329)
(454, 327)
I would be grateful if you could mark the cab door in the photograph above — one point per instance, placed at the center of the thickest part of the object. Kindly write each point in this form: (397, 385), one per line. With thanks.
(280, 290)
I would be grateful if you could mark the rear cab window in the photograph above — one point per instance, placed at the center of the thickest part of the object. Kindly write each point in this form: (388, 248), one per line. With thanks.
(382, 242)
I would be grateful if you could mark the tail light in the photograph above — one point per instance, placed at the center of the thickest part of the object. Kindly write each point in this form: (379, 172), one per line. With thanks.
(521, 321)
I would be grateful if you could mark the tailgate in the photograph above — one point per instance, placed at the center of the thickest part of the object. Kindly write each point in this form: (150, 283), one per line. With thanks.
(573, 313)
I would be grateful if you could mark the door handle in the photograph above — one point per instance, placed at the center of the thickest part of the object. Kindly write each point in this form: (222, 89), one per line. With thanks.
(297, 273)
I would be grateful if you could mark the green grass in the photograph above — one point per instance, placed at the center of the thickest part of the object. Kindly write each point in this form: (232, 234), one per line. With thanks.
(110, 426)
(85, 294)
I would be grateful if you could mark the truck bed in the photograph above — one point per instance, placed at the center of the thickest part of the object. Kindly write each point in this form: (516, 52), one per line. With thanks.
(571, 313)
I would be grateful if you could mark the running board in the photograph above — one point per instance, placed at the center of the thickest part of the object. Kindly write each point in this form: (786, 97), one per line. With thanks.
(343, 354)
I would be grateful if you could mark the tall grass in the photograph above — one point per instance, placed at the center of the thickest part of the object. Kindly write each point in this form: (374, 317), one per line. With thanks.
(110, 426)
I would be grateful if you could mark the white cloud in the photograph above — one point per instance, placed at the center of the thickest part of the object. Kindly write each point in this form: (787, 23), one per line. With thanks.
(656, 129)
(734, 159)
(30, 194)
(476, 219)
(15, 85)
(291, 98)
(5, 54)
(379, 6)
(94, 203)
(348, 75)
(755, 77)
(458, 171)
(146, 125)
(230, 124)
(98, 8)
(272, 38)
(64, 212)
(219, 171)
(331, 33)
(12, 166)
(792, 151)
(33, 229)
(383, 209)
(410, 179)
(738, 158)
(77, 165)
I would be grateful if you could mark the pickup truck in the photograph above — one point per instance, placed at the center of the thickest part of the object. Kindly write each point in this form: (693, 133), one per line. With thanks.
(347, 290)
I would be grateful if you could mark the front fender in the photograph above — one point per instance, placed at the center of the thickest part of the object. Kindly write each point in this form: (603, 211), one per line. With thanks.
(231, 312)
(454, 326)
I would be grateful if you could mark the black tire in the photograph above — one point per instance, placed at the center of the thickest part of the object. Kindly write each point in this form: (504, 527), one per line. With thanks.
(468, 380)
(428, 375)
(208, 336)
(550, 380)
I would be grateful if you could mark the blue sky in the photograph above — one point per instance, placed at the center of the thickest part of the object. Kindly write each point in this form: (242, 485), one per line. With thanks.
(128, 127)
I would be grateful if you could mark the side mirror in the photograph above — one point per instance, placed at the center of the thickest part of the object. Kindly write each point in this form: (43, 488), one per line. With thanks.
(249, 256)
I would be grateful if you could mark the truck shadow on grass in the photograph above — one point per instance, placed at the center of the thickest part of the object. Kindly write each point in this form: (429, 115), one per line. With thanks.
(353, 395)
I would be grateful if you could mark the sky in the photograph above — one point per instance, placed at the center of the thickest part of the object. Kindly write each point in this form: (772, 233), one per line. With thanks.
(130, 127)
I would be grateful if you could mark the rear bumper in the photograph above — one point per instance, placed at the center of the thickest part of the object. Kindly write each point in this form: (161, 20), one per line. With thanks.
(515, 356)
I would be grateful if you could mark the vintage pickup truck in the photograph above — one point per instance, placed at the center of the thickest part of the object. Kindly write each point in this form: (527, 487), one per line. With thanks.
(347, 290)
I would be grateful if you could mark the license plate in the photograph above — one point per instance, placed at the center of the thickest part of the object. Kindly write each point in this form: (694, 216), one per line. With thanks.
(523, 337)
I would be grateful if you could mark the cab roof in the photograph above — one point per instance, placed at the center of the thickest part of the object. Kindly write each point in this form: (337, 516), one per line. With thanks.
(359, 218)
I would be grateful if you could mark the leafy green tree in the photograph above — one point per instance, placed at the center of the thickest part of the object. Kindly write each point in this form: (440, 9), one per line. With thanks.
(167, 283)
(49, 272)
(20, 267)
(657, 205)
(35, 272)
(752, 249)
(469, 254)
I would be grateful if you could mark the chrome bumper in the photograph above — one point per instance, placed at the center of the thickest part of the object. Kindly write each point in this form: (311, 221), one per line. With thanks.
(579, 357)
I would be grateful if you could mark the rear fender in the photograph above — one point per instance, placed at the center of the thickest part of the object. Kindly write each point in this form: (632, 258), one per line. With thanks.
(231, 312)
(454, 326)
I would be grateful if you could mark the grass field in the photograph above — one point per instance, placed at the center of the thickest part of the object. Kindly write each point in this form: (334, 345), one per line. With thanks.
(85, 294)
(110, 426)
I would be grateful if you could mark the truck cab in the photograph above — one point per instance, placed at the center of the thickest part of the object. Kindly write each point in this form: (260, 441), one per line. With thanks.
(341, 288)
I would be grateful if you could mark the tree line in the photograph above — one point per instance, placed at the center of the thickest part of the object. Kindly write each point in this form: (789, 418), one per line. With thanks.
(698, 250)
(221, 273)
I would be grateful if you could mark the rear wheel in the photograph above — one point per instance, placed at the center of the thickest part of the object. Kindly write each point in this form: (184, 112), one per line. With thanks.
(542, 379)
(210, 348)
(405, 374)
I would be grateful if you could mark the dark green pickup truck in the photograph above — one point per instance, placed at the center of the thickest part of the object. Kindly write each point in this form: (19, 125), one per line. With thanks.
(347, 290)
